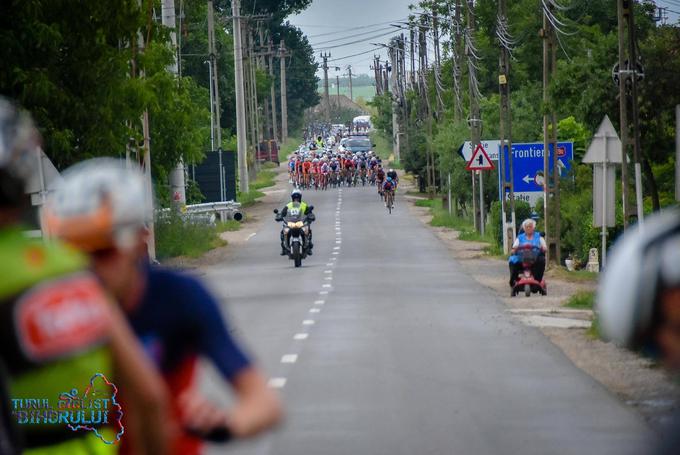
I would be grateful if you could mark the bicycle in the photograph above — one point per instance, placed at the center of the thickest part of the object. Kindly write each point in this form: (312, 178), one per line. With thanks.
(389, 200)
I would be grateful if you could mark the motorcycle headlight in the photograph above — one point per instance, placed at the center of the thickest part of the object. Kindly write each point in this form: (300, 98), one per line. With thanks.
(292, 224)
(299, 224)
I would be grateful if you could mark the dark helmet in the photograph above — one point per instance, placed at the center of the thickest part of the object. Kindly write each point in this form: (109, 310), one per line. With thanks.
(296, 195)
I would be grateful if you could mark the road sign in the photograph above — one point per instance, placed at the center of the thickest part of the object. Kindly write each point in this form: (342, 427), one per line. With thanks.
(480, 160)
(527, 160)
(491, 148)
(605, 144)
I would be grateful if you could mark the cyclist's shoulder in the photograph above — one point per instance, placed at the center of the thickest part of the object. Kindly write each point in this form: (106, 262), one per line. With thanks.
(25, 262)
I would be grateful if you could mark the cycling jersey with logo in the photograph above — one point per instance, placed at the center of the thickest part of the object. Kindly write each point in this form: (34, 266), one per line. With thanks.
(177, 320)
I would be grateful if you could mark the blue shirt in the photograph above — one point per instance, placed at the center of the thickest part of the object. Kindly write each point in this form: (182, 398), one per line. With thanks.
(177, 320)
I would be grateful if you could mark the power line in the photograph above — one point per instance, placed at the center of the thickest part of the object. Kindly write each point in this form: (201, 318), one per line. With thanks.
(355, 42)
(351, 36)
(354, 28)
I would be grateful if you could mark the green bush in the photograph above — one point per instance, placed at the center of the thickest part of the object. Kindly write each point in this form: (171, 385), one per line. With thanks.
(228, 226)
(424, 203)
(582, 300)
(249, 198)
(178, 236)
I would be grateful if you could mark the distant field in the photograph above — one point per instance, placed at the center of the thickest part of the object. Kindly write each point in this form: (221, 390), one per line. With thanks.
(366, 92)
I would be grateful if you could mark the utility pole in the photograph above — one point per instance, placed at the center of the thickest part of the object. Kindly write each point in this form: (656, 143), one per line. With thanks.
(622, 10)
(393, 50)
(457, 51)
(551, 185)
(351, 94)
(337, 89)
(217, 127)
(633, 76)
(505, 130)
(475, 120)
(677, 152)
(275, 128)
(176, 178)
(284, 97)
(240, 96)
(327, 98)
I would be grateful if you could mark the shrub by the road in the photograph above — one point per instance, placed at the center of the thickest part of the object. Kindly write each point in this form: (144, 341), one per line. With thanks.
(177, 236)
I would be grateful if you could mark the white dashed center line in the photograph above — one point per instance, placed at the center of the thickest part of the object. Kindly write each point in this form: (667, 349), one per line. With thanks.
(308, 322)
(300, 336)
(289, 358)
(319, 302)
(314, 310)
(277, 383)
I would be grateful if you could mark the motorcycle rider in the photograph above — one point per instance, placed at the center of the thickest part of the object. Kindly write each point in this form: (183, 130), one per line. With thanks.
(296, 202)
(528, 237)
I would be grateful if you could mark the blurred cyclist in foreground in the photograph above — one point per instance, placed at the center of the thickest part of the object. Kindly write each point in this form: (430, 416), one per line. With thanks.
(57, 326)
(639, 297)
(100, 209)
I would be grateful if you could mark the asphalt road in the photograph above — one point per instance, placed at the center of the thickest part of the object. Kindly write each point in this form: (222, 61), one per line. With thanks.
(398, 351)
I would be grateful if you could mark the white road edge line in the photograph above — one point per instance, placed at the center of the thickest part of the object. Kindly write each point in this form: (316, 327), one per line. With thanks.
(251, 236)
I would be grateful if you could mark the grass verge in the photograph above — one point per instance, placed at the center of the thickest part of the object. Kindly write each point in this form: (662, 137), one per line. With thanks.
(289, 147)
(442, 218)
(249, 198)
(228, 226)
(265, 179)
(577, 276)
(176, 236)
(584, 300)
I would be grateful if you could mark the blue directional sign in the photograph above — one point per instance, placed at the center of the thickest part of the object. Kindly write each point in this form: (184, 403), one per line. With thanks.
(527, 160)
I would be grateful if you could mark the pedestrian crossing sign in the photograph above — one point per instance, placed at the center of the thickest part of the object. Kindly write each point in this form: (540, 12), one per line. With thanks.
(480, 160)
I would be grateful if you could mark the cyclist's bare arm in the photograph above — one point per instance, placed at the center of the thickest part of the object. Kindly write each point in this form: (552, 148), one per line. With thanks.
(257, 407)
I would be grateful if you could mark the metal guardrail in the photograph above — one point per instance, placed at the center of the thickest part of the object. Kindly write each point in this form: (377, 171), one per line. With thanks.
(229, 210)
(209, 212)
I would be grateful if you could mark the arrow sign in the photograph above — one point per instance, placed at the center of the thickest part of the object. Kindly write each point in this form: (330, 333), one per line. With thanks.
(527, 179)
(480, 160)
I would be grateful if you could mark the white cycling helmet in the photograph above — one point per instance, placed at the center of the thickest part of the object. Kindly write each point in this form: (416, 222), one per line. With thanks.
(100, 204)
(643, 262)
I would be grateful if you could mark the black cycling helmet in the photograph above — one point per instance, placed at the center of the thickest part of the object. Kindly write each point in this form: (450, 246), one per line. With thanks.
(296, 195)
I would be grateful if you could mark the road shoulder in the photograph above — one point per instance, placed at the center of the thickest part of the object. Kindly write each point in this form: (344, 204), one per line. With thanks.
(637, 381)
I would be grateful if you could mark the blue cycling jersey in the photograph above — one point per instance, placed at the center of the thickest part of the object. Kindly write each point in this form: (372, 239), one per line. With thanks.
(177, 319)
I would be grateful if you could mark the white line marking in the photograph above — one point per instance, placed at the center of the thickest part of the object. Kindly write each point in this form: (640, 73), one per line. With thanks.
(319, 302)
(326, 286)
(340, 241)
(308, 322)
(328, 278)
(336, 252)
(328, 271)
(336, 247)
(300, 336)
(289, 358)
(277, 383)
(323, 293)
(334, 259)
(330, 264)
(251, 236)
(314, 310)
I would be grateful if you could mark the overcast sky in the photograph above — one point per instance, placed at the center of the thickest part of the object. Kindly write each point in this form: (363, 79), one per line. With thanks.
(366, 18)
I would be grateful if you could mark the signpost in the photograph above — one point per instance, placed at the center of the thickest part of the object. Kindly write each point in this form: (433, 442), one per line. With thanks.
(528, 178)
(605, 148)
(480, 161)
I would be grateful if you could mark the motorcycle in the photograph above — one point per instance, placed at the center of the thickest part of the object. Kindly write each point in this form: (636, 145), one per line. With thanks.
(526, 281)
(296, 233)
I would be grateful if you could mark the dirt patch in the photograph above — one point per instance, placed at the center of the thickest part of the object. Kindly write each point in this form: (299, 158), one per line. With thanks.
(255, 216)
(638, 381)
